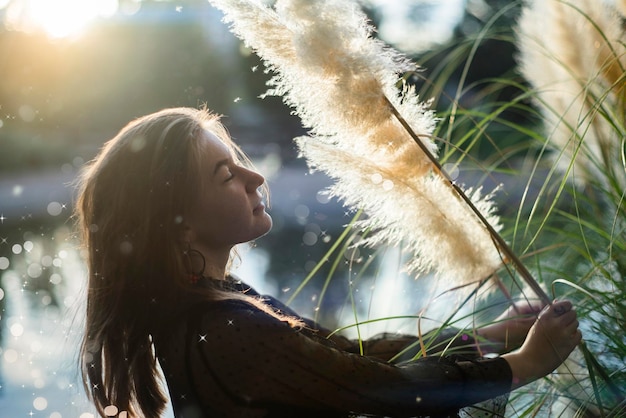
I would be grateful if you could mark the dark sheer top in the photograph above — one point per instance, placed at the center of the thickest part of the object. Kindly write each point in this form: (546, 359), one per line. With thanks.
(232, 359)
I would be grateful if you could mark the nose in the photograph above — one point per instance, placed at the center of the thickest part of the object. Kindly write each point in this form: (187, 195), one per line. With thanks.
(254, 181)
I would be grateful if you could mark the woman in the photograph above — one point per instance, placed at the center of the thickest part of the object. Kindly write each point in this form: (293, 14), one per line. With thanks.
(161, 208)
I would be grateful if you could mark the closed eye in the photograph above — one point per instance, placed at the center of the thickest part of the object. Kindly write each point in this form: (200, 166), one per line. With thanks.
(226, 166)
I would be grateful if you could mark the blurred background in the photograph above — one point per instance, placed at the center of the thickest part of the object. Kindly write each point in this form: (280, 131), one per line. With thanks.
(73, 72)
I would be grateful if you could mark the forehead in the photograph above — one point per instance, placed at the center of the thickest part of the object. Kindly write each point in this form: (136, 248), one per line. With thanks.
(214, 148)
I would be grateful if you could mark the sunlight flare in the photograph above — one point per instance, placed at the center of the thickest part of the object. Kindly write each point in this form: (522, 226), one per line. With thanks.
(59, 18)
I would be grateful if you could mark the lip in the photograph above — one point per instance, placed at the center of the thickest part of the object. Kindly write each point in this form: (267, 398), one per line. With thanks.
(258, 208)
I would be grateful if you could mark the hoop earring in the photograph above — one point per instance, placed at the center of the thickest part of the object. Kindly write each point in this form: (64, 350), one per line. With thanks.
(195, 276)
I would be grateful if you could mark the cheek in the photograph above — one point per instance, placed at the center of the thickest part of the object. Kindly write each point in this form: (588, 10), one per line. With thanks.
(234, 218)
(208, 218)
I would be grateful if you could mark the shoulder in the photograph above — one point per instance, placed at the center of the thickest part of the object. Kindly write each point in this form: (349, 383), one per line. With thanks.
(237, 314)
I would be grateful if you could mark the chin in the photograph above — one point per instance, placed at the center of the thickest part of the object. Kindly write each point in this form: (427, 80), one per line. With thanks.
(267, 227)
(270, 224)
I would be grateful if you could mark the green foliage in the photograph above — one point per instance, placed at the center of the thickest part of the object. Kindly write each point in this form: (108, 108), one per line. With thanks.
(571, 236)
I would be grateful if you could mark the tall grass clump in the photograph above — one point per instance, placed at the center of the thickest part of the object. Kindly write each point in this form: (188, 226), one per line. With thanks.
(573, 53)
(559, 148)
(562, 203)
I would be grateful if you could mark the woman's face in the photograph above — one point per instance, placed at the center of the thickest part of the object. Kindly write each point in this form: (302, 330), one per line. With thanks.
(229, 210)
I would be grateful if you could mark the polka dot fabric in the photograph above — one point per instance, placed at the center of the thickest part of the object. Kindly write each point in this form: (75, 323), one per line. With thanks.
(232, 359)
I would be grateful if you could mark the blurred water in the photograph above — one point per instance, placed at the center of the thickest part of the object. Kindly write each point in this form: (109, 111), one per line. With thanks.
(40, 331)
(42, 324)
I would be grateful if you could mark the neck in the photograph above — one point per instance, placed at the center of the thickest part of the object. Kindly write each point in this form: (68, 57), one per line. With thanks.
(215, 273)
(214, 262)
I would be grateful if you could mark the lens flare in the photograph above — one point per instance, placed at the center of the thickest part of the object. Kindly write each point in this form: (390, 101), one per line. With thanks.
(57, 19)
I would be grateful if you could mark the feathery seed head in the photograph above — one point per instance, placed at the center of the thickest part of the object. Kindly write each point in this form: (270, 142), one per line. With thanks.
(342, 83)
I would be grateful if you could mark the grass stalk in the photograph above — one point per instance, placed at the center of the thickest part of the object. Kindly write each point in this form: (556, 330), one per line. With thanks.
(503, 247)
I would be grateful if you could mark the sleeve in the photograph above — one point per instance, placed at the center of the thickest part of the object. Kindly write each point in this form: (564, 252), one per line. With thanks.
(393, 347)
(264, 361)
(398, 348)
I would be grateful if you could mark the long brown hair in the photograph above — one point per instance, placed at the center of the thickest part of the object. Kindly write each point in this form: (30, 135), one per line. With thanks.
(131, 200)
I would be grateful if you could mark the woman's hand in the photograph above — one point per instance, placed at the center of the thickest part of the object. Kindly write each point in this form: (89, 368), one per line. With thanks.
(550, 341)
(509, 330)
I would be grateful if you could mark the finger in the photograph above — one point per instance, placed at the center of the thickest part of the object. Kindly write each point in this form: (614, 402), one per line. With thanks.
(530, 307)
(559, 310)
(578, 336)
(545, 310)
(526, 320)
(571, 328)
(552, 311)
(567, 318)
(561, 307)
(574, 339)
(537, 305)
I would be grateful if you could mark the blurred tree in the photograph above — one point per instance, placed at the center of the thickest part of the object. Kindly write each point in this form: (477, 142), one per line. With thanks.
(63, 97)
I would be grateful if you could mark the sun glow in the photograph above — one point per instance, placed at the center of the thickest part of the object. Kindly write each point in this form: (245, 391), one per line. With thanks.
(59, 18)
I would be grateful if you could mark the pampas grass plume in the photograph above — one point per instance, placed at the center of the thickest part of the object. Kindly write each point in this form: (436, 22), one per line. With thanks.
(574, 54)
(342, 83)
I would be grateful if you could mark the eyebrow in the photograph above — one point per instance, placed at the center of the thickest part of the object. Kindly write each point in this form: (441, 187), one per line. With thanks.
(220, 164)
